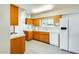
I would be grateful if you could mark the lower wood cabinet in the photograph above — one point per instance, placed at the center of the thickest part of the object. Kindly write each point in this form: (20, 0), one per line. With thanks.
(36, 35)
(17, 45)
(44, 36)
(28, 35)
(41, 36)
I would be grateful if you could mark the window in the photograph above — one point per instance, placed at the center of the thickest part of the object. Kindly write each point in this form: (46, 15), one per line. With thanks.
(47, 22)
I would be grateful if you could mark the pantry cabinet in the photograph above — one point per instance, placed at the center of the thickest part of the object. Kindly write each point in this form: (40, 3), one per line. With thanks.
(14, 15)
(17, 45)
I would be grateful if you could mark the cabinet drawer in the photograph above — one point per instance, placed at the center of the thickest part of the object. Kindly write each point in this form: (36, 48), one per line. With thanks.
(45, 33)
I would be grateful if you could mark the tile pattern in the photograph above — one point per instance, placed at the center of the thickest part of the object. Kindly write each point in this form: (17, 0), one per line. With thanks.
(36, 47)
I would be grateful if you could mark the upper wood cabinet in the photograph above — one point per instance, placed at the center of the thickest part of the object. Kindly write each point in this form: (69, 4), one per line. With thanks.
(13, 15)
(36, 22)
(29, 21)
(57, 20)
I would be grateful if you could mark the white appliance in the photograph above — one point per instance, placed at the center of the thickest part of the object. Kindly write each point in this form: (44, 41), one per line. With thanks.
(69, 37)
(54, 38)
(64, 33)
(74, 33)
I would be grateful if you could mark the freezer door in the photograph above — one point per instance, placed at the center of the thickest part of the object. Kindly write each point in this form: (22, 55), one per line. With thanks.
(74, 33)
(64, 32)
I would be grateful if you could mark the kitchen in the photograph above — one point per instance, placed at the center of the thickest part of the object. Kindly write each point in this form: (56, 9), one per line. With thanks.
(49, 31)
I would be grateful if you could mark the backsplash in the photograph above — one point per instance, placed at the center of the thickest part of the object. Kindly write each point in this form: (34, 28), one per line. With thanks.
(49, 29)
(11, 29)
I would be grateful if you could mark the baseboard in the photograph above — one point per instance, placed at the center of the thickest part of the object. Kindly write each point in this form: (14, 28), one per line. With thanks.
(69, 51)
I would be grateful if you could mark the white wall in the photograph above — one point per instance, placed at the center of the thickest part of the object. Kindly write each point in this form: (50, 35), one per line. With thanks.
(4, 28)
(21, 26)
(58, 12)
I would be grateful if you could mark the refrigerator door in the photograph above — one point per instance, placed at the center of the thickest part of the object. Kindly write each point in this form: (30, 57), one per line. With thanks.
(74, 33)
(64, 33)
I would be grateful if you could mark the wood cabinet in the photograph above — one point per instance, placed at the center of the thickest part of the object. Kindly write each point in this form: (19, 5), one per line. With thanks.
(36, 22)
(13, 15)
(44, 36)
(17, 45)
(29, 21)
(36, 35)
(28, 35)
(57, 20)
(41, 36)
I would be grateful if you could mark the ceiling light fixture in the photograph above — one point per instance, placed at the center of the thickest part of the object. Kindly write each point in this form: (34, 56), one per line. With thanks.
(42, 8)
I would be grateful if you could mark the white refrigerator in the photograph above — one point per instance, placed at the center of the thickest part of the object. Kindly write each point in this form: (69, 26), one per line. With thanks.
(64, 33)
(69, 37)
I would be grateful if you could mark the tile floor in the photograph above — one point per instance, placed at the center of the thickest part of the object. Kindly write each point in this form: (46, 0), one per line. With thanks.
(37, 47)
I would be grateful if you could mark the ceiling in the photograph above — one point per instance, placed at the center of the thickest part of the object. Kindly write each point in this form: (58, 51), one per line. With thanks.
(29, 7)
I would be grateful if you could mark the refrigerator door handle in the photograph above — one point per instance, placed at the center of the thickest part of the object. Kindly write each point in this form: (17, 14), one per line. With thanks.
(63, 28)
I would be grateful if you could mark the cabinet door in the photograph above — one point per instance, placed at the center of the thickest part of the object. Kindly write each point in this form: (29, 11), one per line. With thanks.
(30, 35)
(13, 15)
(29, 21)
(44, 36)
(16, 15)
(57, 20)
(21, 45)
(36, 35)
(13, 46)
(36, 22)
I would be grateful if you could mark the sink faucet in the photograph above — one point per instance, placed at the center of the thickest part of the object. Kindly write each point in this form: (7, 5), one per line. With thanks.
(13, 31)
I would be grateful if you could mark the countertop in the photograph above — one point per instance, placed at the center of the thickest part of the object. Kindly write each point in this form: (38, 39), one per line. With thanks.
(45, 29)
(53, 30)
(16, 35)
